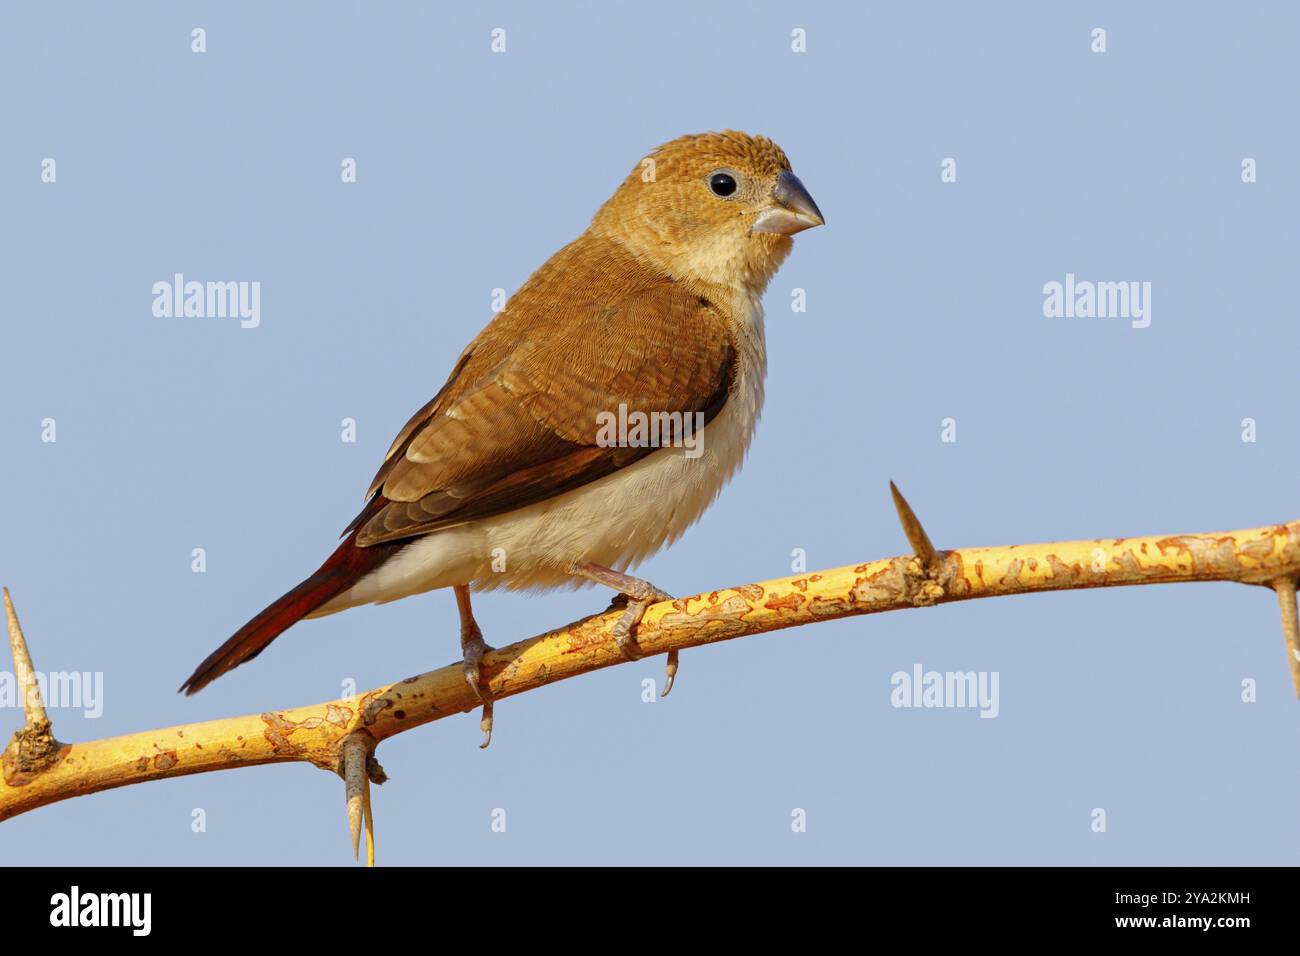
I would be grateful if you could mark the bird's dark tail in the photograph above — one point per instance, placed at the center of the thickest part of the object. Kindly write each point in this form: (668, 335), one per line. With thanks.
(345, 567)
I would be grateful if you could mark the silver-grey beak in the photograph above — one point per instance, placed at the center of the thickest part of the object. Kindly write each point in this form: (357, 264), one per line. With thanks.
(792, 209)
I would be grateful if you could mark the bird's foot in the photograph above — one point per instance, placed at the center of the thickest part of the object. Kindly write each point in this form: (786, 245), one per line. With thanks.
(635, 595)
(473, 647)
(638, 600)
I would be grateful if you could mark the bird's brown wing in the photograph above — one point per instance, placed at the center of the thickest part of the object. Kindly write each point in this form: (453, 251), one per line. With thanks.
(517, 422)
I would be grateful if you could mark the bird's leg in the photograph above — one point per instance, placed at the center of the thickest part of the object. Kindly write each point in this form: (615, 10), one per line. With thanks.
(472, 649)
(635, 595)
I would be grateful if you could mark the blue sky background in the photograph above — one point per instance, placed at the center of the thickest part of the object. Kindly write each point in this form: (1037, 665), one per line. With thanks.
(924, 302)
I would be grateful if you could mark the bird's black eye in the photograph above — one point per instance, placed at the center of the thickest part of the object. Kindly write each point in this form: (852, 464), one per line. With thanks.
(722, 184)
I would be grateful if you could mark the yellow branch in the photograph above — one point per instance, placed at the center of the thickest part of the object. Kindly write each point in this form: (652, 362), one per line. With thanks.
(341, 735)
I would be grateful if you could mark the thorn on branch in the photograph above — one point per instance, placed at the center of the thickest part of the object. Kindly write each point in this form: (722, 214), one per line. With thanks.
(1286, 598)
(916, 536)
(357, 765)
(33, 747)
(923, 588)
(33, 706)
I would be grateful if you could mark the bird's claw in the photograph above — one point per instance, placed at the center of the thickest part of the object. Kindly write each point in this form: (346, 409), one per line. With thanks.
(671, 671)
(485, 724)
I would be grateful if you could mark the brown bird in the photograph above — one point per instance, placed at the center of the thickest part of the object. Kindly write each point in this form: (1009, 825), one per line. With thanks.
(592, 421)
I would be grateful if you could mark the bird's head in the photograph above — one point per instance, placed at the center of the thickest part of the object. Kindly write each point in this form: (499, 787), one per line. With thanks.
(718, 208)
